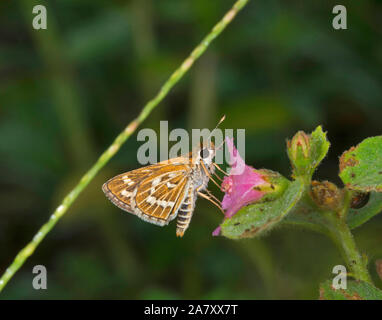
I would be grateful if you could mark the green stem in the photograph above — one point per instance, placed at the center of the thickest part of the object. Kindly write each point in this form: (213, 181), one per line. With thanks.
(345, 205)
(344, 239)
(335, 226)
(27, 251)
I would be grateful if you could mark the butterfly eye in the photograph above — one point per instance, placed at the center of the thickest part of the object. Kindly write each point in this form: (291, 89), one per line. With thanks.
(204, 153)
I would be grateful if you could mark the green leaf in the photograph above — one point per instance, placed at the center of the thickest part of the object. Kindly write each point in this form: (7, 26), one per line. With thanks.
(307, 151)
(319, 147)
(356, 290)
(357, 217)
(361, 166)
(306, 214)
(256, 219)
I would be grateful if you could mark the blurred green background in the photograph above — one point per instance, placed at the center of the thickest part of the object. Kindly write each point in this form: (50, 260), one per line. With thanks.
(66, 92)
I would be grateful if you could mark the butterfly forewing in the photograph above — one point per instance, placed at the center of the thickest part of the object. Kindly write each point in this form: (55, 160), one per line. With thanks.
(121, 188)
(153, 193)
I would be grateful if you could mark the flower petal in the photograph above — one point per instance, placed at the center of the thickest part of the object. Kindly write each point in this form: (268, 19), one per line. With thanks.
(239, 185)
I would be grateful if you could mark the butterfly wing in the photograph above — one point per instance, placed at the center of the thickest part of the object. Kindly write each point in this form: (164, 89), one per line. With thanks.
(159, 197)
(153, 193)
(120, 189)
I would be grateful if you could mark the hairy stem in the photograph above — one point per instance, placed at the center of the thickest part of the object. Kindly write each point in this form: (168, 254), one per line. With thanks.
(342, 236)
(28, 250)
(336, 228)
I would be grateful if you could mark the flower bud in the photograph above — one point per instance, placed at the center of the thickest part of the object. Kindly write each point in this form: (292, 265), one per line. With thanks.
(306, 151)
(326, 195)
(299, 152)
(300, 142)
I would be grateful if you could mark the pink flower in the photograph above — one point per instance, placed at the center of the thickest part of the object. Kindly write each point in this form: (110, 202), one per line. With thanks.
(240, 186)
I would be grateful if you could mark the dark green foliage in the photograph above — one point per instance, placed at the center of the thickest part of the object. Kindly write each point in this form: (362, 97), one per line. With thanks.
(279, 69)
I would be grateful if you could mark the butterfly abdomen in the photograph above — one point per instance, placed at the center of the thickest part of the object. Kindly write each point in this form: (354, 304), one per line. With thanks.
(185, 213)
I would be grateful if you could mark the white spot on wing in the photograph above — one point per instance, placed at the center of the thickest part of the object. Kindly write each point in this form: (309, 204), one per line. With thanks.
(156, 181)
(128, 181)
(125, 193)
(170, 185)
(151, 200)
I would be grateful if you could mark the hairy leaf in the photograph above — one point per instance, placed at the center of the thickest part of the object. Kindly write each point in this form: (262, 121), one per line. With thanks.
(361, 166)
(305, 214)
(356, 290)
(319, 146)
(357, 217)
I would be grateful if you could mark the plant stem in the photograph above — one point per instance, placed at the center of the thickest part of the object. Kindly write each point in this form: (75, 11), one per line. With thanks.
(335, 227)
(345, 205)
(344, 239)
(28, 250)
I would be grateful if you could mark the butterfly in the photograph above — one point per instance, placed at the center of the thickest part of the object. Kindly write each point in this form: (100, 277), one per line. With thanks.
(160, 192)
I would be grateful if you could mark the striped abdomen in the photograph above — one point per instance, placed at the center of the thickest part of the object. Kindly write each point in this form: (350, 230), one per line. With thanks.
(185, 212)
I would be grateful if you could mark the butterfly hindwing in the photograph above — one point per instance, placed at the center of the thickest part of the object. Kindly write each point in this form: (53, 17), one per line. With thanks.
(159, 197)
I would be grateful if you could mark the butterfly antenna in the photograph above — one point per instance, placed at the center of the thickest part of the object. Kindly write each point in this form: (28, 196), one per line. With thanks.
(220, 121)
(220, 145)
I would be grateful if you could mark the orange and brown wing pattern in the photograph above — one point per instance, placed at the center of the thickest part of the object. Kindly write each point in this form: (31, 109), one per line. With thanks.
(152, 193)
(121, 188)
(159, 197)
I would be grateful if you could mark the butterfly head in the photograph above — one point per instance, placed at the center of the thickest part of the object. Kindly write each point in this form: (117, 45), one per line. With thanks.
(205, 153)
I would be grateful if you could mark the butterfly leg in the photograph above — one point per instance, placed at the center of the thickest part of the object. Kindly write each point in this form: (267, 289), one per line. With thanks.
(220, 169)
(220, 179)
(212, 196)
(208, 174)
(211, 199)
